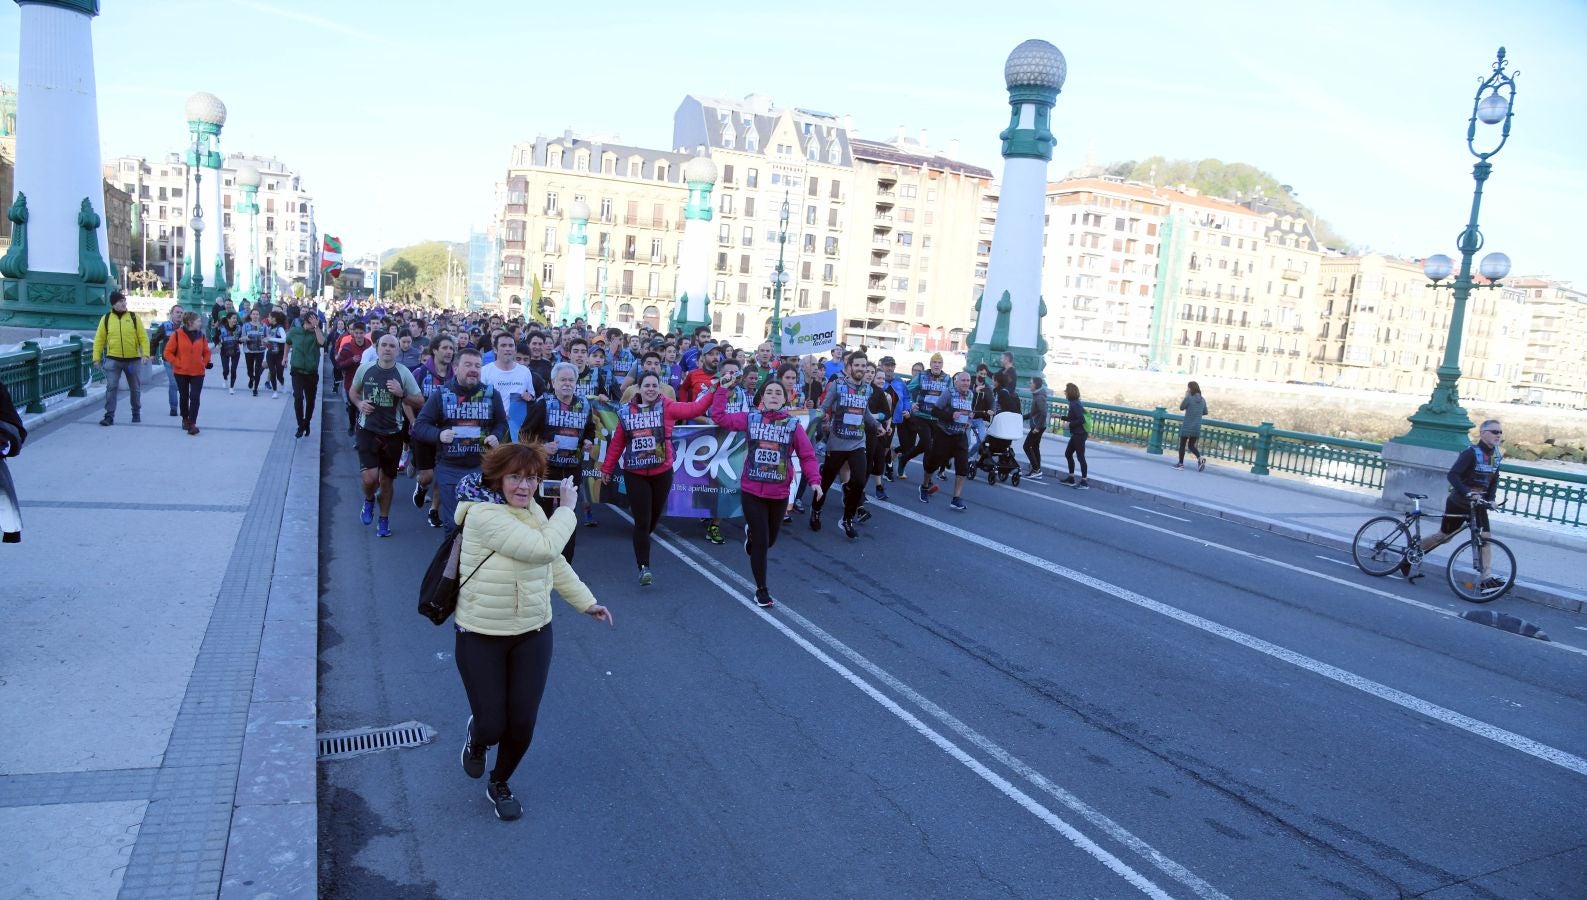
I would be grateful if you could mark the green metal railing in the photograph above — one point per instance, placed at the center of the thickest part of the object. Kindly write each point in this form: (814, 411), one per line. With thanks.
(1531, 493)
(34, 373)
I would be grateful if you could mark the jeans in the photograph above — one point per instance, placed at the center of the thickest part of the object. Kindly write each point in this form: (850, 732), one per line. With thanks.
(504, 677)
(445, 486)
(114, 369)
(978, 429)
(305, 394)
(188, 389)
(170, 389)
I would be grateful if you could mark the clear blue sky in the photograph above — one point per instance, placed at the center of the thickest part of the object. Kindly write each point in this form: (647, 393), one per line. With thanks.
(401, 114)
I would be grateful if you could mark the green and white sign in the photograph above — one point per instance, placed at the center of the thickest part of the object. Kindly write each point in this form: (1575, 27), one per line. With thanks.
(810, 333)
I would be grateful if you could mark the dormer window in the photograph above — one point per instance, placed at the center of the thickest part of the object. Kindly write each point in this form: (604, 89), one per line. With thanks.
(554, 157)
(835, 153)
(752, 141)
(727, 137)
(815, 151)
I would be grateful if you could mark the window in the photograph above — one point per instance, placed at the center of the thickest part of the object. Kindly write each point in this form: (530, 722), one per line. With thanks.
(804, 270)
(551, 203)
(661, 171)
(606, 209)
(721, 258)
(727, 174)
(751, 178)
(815, 152)
(628, 282)
(828, 274)
(549, 245)
(752, 141)
(724, 233)
(546, 273)
(603, 244)
(907, 191)
(653, 288)
(749, 236)
(721, 289)
(581, 162)
(725, 205)
(837, 190)
(749, 206)
(925, 242)
(554, 158)
(727, 136)
(743, 264)
(810, 215)
(832, 218)
(608, 165)
(931, 195)
(226, 223)
(655, 249)
(634, 168)
(835, 153)
(270, 221)
(906, 238)
(743, 292)
(832, 246)
(776, 178)
(826, 299)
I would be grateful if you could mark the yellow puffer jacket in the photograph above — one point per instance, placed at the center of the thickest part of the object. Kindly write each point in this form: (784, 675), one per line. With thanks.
(511, 592)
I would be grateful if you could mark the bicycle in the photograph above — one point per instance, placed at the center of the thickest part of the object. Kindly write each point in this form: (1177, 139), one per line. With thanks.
(1384, 544)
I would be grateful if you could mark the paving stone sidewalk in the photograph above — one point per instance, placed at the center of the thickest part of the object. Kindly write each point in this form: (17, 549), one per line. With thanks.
(1550, 558)
(158, 661)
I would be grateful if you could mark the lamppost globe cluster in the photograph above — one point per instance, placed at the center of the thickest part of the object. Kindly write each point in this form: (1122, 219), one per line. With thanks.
(1036, 63)
(206, 108)
(248, 176)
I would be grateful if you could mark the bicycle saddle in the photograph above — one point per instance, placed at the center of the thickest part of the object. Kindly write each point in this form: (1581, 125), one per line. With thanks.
(1412, 496)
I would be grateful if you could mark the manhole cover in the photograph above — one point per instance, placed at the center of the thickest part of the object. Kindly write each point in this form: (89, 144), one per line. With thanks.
(342, 744)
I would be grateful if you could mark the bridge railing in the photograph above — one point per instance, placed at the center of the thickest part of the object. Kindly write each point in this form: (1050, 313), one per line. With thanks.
(1527, 491)
(38, 370)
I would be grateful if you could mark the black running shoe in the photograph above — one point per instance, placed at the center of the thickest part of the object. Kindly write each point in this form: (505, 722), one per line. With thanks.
(473, 756)
(849, 530)
(507, 806)
(763, 597)
(419, 493)
(435, 519)
(815, 520)
(863, 515)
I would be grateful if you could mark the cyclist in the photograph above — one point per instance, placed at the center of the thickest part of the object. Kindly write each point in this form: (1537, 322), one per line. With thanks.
(1474, 475)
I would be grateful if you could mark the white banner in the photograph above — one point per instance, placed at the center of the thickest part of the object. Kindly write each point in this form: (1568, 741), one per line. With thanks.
(815, 332)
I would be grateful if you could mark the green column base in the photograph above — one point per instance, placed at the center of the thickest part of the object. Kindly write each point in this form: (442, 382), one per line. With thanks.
(1441, 423)
(1028, 363)
(201, 299)
(53, 300)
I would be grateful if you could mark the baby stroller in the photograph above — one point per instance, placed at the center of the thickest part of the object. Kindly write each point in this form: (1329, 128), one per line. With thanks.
(995, 456)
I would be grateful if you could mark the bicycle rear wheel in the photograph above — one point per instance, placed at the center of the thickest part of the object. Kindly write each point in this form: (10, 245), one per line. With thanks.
(1381, 545)
(1465, 571)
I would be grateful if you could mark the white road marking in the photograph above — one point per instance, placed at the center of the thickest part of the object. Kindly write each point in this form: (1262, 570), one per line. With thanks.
(1073, 835)
(1156, 513)
(1338, 562)
(1561, 758)
(1352, 585)
(1113, 829)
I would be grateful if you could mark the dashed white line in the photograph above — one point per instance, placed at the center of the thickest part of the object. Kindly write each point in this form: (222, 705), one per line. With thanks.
(1554, 755)
(1337, 562)
(1156, 513)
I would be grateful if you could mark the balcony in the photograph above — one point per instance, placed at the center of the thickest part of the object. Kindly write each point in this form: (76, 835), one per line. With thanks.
(554, 212)
(512, 245)
(883, 224)
(878, 262)
(513, 209)
(880, 244)
(887, 174)
(1291, 274)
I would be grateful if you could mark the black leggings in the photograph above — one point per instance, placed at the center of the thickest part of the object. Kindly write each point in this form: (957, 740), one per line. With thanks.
(1190, 441)
(228, 366)
(188, 387)
(504, 678)
(1076, 447)
(1033, 449)
(305, 394)
(764, 518)
(275, 363)
(647, 498)
(876, 448)
(255, 363)
(919, 441)
(854, 488)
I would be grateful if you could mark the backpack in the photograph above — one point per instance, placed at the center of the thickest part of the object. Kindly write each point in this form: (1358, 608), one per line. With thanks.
(439, 587)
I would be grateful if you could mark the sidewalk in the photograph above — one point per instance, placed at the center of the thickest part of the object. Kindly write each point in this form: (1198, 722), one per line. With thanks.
(157, 665)
(1550, 559)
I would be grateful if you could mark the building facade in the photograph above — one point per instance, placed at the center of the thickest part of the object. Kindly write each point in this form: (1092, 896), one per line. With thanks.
(921, 248)
(288, 234)
(484, 265)
(636, 198)
(118, 231)
(1553, 366)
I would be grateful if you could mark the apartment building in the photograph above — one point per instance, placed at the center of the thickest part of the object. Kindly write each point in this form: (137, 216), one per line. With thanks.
(636, 197)
(1553, 366)
(484, 265)
(118, 230)
(767, 156)
(929, 235)
(1100, 269)
(1212, 266)
(1287, 303)
(287, 232)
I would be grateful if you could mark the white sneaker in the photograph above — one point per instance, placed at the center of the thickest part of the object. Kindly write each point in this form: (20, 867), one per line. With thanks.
(275, 395)
(231, 390)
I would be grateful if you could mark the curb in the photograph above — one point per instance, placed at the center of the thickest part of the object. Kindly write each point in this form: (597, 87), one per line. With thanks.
(1540, 593)
(272, 849)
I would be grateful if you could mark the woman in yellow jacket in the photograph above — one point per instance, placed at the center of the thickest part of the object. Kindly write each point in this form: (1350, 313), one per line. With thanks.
(511, 559)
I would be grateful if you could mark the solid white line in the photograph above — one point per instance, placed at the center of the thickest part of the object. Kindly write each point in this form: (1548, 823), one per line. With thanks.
(1114, 830)
(1156, 513)
(1339, 562)
(1301, 570)
(1074, 836)
(1561, 758)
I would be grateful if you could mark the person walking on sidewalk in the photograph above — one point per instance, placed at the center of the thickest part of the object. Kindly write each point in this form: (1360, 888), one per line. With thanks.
(275, 351)
(1037, 419)
(511, 552)
(228, 340)
(774, 439)
(12, 434)
(187, 352)
(306, 340)
(1075, 423)
(462, 419)
(643, 441)
(121, 346)
(162, 336)
(1474, 476)
(377, 389)
(1194, 406)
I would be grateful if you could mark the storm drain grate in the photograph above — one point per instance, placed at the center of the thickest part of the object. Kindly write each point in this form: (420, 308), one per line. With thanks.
(342, 744)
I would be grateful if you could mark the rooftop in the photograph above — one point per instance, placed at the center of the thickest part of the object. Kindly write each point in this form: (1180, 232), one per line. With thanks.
(876, 151)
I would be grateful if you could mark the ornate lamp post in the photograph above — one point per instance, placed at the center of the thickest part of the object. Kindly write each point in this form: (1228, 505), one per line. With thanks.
(779, 277)
(1441, 423)
(206, 116)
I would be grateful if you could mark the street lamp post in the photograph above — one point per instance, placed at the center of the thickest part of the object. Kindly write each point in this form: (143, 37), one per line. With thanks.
(1441, 423)
(779, 277)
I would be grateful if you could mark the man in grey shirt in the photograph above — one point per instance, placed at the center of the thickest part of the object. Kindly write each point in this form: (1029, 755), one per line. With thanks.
(846, 417)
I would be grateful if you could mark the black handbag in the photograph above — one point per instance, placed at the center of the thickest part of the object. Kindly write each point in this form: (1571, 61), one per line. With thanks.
(439, 587)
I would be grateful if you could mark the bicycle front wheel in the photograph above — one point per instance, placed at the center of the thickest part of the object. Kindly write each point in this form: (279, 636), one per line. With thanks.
(1381, 545)
(1465, 571)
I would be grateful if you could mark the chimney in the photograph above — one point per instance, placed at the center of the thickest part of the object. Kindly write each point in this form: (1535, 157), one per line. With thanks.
(953, 149)
(923, 141)
(899, 138)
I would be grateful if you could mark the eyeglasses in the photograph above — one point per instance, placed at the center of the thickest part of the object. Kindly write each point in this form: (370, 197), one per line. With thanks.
(1493, 431)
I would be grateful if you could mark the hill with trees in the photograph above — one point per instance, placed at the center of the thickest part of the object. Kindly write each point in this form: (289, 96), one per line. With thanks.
(1231, 181)
(420, 272)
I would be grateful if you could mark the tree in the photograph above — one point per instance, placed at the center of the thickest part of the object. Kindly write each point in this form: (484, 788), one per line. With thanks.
(1235, 181)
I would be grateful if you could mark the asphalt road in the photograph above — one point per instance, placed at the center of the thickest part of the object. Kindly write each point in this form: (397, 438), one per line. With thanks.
(1054, 694)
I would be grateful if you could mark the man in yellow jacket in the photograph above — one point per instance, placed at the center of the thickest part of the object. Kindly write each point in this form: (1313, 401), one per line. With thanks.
(120, 345)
